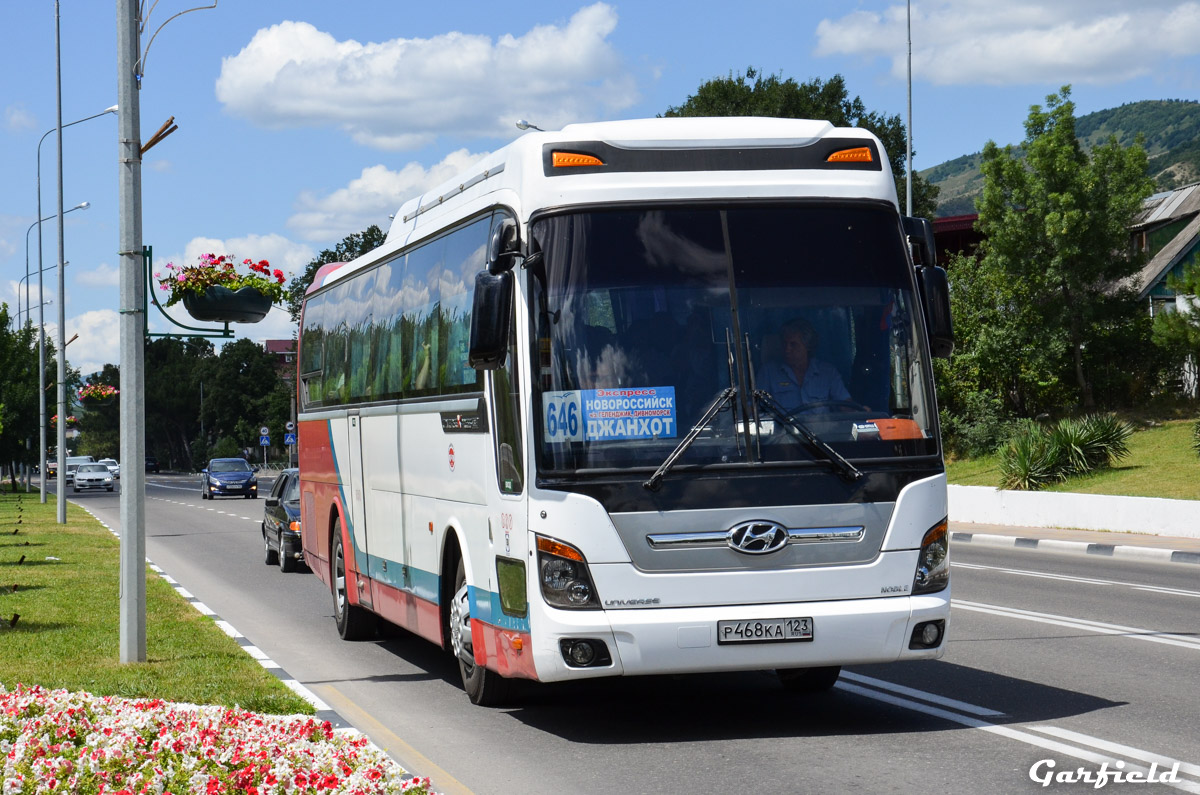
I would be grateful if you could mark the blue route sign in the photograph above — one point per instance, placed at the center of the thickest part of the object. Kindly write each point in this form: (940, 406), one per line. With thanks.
(289, 438)
(264, 441)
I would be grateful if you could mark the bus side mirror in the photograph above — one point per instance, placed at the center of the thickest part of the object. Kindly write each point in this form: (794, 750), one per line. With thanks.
(935, 295)
(504, 247)
(491, 320)
(920, 234)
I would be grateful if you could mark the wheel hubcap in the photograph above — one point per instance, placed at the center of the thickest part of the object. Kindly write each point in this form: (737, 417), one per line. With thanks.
(339, 581)
(460, 627)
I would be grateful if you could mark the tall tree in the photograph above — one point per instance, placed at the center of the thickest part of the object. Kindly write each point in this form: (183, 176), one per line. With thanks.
(756, 94)
(18, 392)
(100, 426)
(351, 247)
(1055, 249)
(177, 375)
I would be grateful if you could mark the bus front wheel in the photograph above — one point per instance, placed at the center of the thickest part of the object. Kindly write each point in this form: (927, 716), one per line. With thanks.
(353, 622)
(485, 688)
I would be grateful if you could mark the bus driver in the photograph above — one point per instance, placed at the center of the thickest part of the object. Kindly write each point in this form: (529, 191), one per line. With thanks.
(800, 379)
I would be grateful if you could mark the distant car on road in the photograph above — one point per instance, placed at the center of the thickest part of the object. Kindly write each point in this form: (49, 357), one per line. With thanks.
(74, 462)
(281, 522)
(112, 465)
(151, 464)
(228, 477)
(92, 476)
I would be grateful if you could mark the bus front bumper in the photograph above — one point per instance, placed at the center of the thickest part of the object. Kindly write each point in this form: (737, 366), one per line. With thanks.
(684, 640)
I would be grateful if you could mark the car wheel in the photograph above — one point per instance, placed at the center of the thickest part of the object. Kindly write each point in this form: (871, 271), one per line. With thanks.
(485, 688)
(269, 556)
(353, 622)
(110, 488)
(287, 564)
(75, 489)
(809, 680)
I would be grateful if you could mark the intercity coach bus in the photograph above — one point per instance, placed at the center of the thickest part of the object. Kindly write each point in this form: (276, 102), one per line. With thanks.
(637, 397)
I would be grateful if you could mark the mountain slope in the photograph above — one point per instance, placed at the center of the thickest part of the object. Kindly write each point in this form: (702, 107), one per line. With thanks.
(1171, 135)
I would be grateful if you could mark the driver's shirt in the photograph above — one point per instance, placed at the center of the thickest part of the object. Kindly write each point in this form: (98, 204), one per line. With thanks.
(822, 382)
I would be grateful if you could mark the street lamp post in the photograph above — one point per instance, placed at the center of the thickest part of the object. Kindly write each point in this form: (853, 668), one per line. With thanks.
(41, 296)
(80, 206)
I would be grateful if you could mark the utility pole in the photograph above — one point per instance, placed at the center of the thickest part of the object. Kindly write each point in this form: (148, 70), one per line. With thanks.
(133, 330)
(908, 208)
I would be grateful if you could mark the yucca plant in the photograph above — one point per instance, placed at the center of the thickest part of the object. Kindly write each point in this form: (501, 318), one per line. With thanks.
(1072, 445)
(1107, 439)
(1030, 461)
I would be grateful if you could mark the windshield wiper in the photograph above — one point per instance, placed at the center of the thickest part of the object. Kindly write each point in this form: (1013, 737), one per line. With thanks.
(798, 428)
(719, 403)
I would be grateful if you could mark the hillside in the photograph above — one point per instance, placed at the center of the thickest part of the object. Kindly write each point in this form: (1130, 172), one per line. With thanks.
(1171, 135)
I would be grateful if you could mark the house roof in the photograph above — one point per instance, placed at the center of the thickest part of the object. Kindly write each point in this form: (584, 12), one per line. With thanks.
(280, 346)
(1169, 205)
(1161, 263)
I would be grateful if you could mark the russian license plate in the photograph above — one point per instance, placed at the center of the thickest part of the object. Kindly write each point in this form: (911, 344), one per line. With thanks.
(765, 630)
(232, 486)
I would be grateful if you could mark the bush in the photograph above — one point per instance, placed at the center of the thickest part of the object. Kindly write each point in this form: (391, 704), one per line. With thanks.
(1037, 456)
(1030, 461)
(980, 427)
(1196, 437)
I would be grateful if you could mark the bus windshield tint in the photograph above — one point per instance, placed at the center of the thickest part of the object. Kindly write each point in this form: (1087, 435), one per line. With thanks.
(644, 317)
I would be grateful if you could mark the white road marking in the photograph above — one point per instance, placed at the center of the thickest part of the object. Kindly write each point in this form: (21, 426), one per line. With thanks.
(1013, 734)
(961, 706)
(1117, 748)
(1100, 628)
(1082, 580)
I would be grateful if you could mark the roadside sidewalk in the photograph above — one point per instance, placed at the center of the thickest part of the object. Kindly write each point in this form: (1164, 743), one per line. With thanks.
(1139, 546)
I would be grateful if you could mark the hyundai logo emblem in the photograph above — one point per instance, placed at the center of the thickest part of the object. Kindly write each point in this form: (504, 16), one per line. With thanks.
(757, 538)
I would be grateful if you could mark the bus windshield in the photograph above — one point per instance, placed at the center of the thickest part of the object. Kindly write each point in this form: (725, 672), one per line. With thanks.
(773, 334)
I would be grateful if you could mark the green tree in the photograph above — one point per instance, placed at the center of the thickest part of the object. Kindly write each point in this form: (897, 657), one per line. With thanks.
(1055, 250)
(177, 373)
(756, 94)
(351, 247)
(100, 426)
(1179, 332)
(19, 392)
(247, 391)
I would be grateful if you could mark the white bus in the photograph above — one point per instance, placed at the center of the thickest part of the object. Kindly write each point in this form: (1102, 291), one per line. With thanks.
(637, 397)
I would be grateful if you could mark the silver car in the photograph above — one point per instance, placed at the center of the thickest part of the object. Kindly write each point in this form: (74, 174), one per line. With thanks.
(92, 476)
(112, 465)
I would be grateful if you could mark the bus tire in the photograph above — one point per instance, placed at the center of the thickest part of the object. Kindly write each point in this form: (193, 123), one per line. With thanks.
(353, 623)
(809, 680)
(485, 688)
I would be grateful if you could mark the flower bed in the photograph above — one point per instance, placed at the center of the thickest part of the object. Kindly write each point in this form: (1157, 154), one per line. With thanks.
(59, 741)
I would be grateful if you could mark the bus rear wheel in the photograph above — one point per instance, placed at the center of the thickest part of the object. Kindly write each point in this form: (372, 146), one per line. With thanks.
(809, 680)
(353, 622)
(485, 688)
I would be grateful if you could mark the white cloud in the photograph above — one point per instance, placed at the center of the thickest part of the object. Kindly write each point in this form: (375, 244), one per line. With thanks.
(99, 341)
(104, 276)
(371, 197)
(957, 42)
(17, 118)
(404, 93)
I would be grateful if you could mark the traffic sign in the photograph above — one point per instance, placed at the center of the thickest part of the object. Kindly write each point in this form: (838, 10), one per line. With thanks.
(291, 426)
(264, 441)
(265, 431)
(289, 438)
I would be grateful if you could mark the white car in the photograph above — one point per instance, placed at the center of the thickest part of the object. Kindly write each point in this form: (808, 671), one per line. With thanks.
(92, 476)
(112, 465)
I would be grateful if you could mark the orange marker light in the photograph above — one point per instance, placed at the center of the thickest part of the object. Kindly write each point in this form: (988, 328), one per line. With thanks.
(555, 548)
(570, 159)
(859, 154)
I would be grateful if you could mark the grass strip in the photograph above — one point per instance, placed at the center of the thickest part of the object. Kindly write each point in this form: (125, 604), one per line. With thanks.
(1161, 463)
(65, 592)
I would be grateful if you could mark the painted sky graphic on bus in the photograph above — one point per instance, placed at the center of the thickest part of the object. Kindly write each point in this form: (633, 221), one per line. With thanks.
(602, 415)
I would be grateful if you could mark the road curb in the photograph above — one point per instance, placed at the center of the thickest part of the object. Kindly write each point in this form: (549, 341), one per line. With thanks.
(1124, 551)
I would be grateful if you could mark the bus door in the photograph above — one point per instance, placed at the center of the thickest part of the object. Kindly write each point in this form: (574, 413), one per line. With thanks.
(354, 496)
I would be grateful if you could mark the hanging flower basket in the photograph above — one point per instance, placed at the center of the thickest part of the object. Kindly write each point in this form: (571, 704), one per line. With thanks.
(93, 395)
(214, 290)
(222, 305)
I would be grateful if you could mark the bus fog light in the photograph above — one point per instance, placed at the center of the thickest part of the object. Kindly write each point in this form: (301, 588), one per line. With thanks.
(585, 652)
(927, 635)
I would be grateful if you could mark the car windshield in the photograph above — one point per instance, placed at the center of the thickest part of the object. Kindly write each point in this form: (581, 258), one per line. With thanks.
(108, 462)
(648, 319)
(93, 468)
(236, 465)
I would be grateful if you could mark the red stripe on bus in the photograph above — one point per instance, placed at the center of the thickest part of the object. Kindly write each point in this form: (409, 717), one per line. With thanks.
(496, 649)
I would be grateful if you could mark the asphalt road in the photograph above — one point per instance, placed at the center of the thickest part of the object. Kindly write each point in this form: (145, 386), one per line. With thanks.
(1078, 660)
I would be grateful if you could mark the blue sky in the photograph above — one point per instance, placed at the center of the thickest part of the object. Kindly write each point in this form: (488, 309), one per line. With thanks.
(303, 121)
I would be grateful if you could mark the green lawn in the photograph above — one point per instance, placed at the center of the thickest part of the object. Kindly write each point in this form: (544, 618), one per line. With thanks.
(1161, 463)
(66, 594)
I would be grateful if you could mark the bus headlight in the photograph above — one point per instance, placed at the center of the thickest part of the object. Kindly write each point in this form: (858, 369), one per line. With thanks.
(933, 562)
(564, 576)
